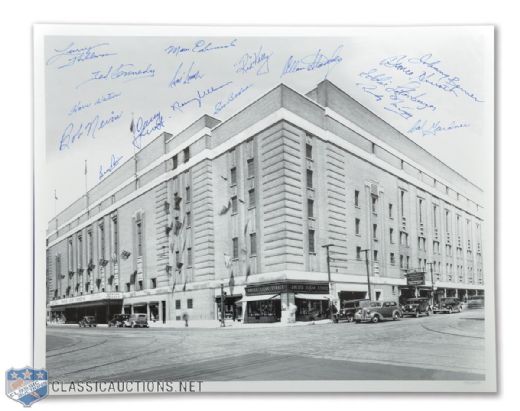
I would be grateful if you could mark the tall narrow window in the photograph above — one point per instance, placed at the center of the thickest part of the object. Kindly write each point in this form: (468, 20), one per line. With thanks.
(375, 255)
(309, 179)
(234, 205)
(312, 248)
(70, 255)
(391, 235)
(358, 223)
(251, 167)
(374, 231)
(186, 154)
(252, 243)
(310, 208)
(420, 207)
(189, 257)
(235, 247)
(175, 161)
(374, 204)
(435, 211)
(90, 246)
(390, 211)
(252, 202)
(188, 194)
(358, 253)
(402, 203)
(308, 151)
(115, 232)
(233, 176)
(80, 251)
(447, 221)
(188, 219)
(102, 240)
(139, 227)
(356, 198)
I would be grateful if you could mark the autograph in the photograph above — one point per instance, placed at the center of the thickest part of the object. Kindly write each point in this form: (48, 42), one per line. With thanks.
(144, 127)
(80, 106)
(72, 55)
(258, 60)
(72, 133)
(200, 46)
(434, 128)
(114, 161)
(183, 77)
(312, 62)
(127, 72)
(199, 97)
(221, 105)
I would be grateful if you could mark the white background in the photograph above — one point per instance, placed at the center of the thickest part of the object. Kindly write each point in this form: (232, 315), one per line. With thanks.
(16, 171)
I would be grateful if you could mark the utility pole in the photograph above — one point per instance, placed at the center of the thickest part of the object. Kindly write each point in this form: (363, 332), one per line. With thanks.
(222, 296)
(366, 251)
(331, 314)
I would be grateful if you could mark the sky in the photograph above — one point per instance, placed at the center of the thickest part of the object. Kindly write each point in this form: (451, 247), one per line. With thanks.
(435, 85)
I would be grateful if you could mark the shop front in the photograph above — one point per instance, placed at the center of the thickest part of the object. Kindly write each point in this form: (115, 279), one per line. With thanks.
(71, 310)
(232, 307)
(285, 301)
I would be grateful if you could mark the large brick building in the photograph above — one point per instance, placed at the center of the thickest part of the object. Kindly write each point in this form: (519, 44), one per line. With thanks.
(247, 204)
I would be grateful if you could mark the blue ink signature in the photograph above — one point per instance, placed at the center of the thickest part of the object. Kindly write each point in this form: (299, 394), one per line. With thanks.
(80, 106)
(72, 133)
(200, 46)
(72, 55)
(127, 72)
(145, 127)
(114, 161)
(433, 75)
(434, 128)
(201, 95)
(258, 60)
(400, 99)
(314, 61)
(222, 104)
(182, 77)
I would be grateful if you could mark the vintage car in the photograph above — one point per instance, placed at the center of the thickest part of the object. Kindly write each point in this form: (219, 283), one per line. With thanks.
(349, 308)
(136, 320)
(88, 321)
(416, 306)
(448, 305)
(118, 320)
(375, 311)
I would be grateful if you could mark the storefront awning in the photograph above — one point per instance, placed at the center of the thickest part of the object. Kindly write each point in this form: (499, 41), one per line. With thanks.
(322, 297)
(259, 298)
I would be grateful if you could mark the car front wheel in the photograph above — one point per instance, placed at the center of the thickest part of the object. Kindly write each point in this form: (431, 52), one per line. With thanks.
(375, 319)
(396, 316)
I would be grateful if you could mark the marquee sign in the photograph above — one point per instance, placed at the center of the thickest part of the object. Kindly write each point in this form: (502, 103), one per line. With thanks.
(415, 278)
(288, 287)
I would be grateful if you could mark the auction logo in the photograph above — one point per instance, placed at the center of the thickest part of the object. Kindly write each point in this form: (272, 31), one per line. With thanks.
(26, 385)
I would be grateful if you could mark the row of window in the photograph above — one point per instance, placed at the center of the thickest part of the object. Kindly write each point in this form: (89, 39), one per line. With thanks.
(252, 246)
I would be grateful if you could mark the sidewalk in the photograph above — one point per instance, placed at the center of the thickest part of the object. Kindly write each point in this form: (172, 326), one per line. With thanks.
(208, 324)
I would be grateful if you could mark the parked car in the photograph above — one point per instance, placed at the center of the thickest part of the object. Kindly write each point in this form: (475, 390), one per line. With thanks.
(136, 320)
(448, 305)
(375, 311)
(118, 320)
(88, 321)
(416, 306)
(349, 308)
(476, 301)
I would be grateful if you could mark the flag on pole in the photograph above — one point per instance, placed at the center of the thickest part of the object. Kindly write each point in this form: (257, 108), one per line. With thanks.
(227, 260)
(132, 125)
(231, 283)
(225, 208)
(184, 287)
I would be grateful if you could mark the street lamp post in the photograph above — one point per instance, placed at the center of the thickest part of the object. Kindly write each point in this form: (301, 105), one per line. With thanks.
(331, 314)
(431, 276)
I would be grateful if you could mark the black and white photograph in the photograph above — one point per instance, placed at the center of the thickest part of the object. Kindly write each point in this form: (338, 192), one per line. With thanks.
(285, 209)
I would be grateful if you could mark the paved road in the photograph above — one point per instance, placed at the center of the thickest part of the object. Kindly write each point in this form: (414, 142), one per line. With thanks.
(439, 347)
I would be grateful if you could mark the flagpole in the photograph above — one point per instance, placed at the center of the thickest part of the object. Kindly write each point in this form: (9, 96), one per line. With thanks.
(56, 209)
